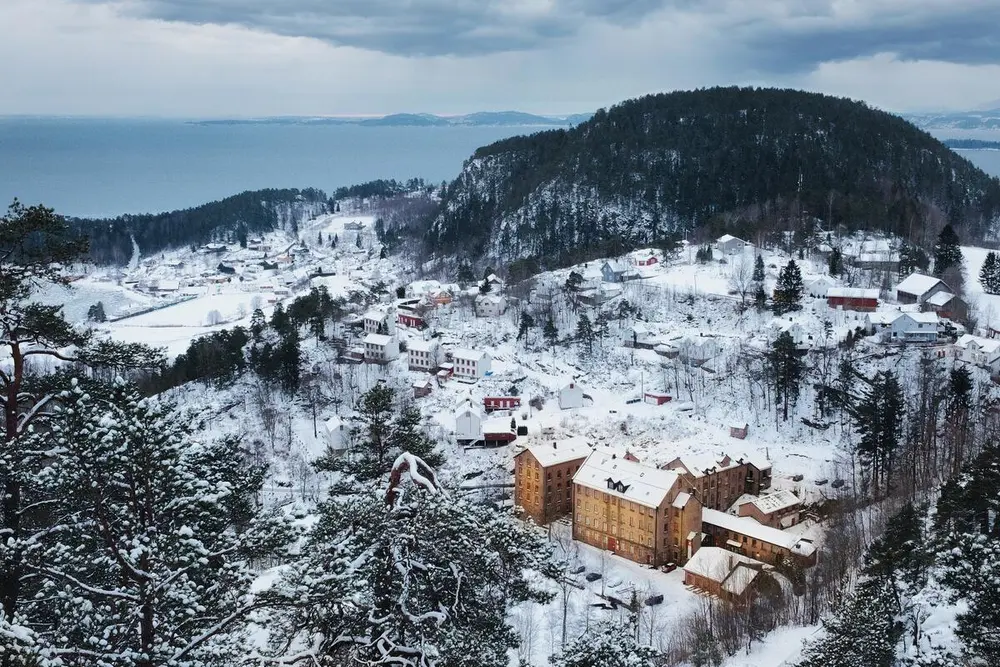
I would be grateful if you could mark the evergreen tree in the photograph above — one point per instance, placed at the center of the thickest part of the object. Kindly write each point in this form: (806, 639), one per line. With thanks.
(525, 324)
(319, 239)
(335, 241)
(290, 360)
(758, 269)
(280, 321)
(257, 323)
(947, 252)
(760, 297)
(357, 240)
(464, 274)
(573, 282)
(788, 291)
(382, 253)
(156, 536)
(607, 646)
(585, 333)
(550, 332)
(835, 262)
(787, 369)
(878, 417)
(382, 433)
(96, 313)
(34, 244)
(485, 287)
(413, 576)
(989, 275)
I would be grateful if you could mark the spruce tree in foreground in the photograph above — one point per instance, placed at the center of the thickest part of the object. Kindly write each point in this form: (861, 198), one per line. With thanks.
(788, 290)
(412, 576)
(758, 269)
(34, 243)
(607, 646)
(150, 562)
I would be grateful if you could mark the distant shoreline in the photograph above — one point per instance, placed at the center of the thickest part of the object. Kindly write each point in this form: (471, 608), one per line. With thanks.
(972, 144)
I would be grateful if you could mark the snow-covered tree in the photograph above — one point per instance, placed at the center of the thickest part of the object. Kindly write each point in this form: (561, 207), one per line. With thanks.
(147, 560)
(416, 577)
(607, 646)
(786, 370)
(29, 332)
(989, 275)
(788, 290)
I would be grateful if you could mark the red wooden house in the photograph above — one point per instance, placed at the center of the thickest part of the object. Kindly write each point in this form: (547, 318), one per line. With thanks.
(656, 398)
(411, 320)
(852, 298)
(491, 403)
(646, 260)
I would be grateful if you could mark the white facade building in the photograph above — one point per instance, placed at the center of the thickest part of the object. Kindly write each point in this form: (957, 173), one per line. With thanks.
(422, 355)
(913, 328)
(381, 349)
(490, 305)
(470, 363)
(571, 396)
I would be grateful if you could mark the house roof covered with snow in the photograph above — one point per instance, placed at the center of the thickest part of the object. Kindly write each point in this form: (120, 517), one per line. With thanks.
(852, 293)
(474, 355)
(883, 317)
(614, 475)
(777, 501)
(422, 345)
(377, 339)
(988, 345)
(940, 299)
(917, 284)
(755, 530)
(559, 451)
(924, 318)
(734, 571)
(726, 238)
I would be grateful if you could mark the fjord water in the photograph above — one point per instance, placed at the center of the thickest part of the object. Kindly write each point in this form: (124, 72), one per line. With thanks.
(106, 167)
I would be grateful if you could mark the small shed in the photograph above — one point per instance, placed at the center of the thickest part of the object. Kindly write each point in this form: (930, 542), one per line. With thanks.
(336, 435)
(422, 388)
(657, 397)
(739, 430)
(571, 396)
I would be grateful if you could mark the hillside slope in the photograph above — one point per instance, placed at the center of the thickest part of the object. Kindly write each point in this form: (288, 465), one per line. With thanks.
(742, 160)
(251, 212)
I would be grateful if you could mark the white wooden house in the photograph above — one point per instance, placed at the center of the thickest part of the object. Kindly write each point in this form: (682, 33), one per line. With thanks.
(913, 328)
(982, 352)
(380, 349)
(490, 305)
(470, 363)
(571, 396)
(468, 423)
(423, 355)
(337, 435)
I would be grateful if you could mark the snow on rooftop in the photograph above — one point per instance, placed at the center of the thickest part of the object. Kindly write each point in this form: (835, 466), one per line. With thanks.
(940, 298)
(681, 500)
(377, 339)
(926, 318)
(988, 345)
(777, 501)
(561, 451)
(475, 355)
(421, 345)
(724, 567)
(750, 528)
(642, 484)
(725, 238)
(917, 284)
(883, 317)
(852, 293)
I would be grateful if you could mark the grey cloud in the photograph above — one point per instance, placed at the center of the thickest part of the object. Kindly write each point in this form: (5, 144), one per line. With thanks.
(779, 36)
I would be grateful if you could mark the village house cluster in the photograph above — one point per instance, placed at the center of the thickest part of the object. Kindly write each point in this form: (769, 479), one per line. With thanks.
(665, 515)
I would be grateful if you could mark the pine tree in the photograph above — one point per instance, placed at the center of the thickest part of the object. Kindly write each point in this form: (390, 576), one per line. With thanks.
(878, 417)
(96, 313)
(357, 240)
(788, 291)
(413, 576)
(485, 287)
(319, 239)
(786, 368)
(573, 282)
(156, 536)
(290, 360)
(989, 275)
(585, 333)
(34, 242)
(835, 262)
(526, 324)
(335, 241)
(758, 269)
(550, 332)
(607, 646)
(280, 321)
(760, 298)
(947, 252)
(382, 253)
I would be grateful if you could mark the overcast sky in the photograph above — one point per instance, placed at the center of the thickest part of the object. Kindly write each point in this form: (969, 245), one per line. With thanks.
(204, 58)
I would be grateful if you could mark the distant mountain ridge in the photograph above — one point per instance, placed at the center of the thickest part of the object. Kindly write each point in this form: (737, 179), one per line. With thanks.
(478, 119)
(988, 119)
(749, 161)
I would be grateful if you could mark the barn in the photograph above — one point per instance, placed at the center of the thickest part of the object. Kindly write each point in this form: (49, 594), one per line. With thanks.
(852, 298)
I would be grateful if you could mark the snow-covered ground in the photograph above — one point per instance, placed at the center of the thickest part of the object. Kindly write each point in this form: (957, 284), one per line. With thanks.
(677, 300)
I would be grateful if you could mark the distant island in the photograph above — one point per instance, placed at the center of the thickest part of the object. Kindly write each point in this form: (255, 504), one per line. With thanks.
(972, 144)
(479, 119)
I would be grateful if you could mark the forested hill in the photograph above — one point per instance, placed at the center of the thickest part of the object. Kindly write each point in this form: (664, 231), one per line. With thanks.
(250, 212)
(742, 160)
